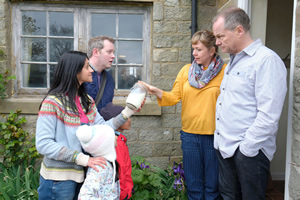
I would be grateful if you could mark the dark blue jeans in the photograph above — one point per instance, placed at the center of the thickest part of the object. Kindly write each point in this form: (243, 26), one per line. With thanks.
(242, 177)
(59, 190)
(200, 166)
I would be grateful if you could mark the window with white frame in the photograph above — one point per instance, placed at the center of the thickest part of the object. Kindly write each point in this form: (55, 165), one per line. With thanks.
(41, 34)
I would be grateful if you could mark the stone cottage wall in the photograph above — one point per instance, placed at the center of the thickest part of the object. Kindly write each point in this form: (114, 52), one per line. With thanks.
(155, 137)
(294, 182)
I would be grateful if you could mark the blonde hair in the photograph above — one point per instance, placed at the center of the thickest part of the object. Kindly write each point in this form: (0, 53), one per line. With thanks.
(207, 38)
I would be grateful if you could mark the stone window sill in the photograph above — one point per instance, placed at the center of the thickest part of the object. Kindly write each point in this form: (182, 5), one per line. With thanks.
(30, 105)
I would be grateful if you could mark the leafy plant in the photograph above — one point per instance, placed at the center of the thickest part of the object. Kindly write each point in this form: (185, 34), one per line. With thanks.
(17, 145)
(19, 181)
(4, 78)
(152, 182)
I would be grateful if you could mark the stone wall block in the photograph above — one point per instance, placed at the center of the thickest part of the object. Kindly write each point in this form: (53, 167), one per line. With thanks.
(171, 120)
(132, 134)
(152, 135)
(184, 27)
(165, 55)
(164, 27)
(207, 2)
(2, 25)
(2, 38)
(176, 135)
(2, 10)
(294, 190)
(205, 16)
(161, 162)
(156, 69)
(185, 55)
(164, 83)
(171, 41)
(178, 108)
(177, 13)
(145, 122)
(140, 149)
(168, 109)
(171, 2)
(167, 149)
(158, 9)
(295, 152)
(171, 69)
(30, 125)
(186, 2)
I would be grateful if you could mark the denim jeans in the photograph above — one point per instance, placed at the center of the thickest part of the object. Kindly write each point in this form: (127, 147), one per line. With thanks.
(200, 165)
(58, 190)
(243, 177)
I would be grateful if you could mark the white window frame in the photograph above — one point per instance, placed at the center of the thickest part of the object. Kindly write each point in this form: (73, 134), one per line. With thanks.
(82, 33)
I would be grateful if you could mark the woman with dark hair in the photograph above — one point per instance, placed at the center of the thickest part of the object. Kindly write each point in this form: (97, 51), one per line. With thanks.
(66, 107)
(197, 86)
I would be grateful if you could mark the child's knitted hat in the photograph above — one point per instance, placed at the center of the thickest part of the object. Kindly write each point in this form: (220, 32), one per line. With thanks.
(110, 111)
(99, 141)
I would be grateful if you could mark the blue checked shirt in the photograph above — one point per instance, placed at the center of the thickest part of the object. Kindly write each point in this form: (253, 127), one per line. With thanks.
(250, 103)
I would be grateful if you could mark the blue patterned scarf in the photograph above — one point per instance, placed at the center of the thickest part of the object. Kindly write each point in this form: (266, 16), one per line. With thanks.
(199, 78)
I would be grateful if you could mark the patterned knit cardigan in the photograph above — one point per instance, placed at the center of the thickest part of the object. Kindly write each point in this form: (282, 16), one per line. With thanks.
(56, 138)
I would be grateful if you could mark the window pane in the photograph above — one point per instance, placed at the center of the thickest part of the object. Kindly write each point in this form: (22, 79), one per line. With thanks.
(34, 75)
(104, 24)
(130, 52)
(131, 26)
(61, 24)
(58, 47)
(128, 76)
(52, 70)
(33, 23)
(111, 71)
(34, 49)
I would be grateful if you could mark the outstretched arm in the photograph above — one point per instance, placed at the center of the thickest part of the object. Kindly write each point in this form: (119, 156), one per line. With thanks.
(153, 90)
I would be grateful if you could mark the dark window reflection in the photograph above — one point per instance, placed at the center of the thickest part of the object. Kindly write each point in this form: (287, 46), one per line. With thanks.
(34, 75)
(61, 24)
(58, 47)
(104, 24)
(128, 76)
(33, 23)
(130, 26)
(34, 49)
(52, 71)
(130, 52)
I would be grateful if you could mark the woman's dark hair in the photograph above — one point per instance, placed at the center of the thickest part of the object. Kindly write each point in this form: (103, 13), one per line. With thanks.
(65, 82)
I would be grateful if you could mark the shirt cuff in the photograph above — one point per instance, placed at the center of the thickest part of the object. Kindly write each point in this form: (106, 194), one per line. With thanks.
(82, 159)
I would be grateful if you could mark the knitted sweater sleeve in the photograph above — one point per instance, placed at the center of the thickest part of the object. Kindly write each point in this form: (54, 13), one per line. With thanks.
(49, 140)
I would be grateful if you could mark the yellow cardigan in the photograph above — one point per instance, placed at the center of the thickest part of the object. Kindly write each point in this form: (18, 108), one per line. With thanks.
(198, 105)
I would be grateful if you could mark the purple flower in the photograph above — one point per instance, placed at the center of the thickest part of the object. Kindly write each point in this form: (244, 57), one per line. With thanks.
(177, 184)
(143, 166)
(178, 170)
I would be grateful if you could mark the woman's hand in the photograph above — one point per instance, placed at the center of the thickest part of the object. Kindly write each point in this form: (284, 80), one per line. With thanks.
(93, 161)
(152, 90)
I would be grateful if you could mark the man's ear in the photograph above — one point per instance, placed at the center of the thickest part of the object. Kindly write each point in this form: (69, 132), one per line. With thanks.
(95, 51)
(240, 30)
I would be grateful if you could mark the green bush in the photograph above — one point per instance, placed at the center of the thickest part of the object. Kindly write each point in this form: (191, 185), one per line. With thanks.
(19, 181)
(151, 182)
(4, 78)
(18, 146)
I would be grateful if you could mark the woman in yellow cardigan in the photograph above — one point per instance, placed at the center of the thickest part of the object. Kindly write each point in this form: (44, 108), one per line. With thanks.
(197, 86)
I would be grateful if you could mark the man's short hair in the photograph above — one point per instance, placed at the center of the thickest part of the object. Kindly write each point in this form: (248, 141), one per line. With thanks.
(234, 16)
(98, 43)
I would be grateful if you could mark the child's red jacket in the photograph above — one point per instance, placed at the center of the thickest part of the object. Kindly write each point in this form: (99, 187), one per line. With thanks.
(123, 158)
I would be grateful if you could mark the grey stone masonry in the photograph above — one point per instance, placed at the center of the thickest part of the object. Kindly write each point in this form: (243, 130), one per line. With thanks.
(294, 178)
(155, 137)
